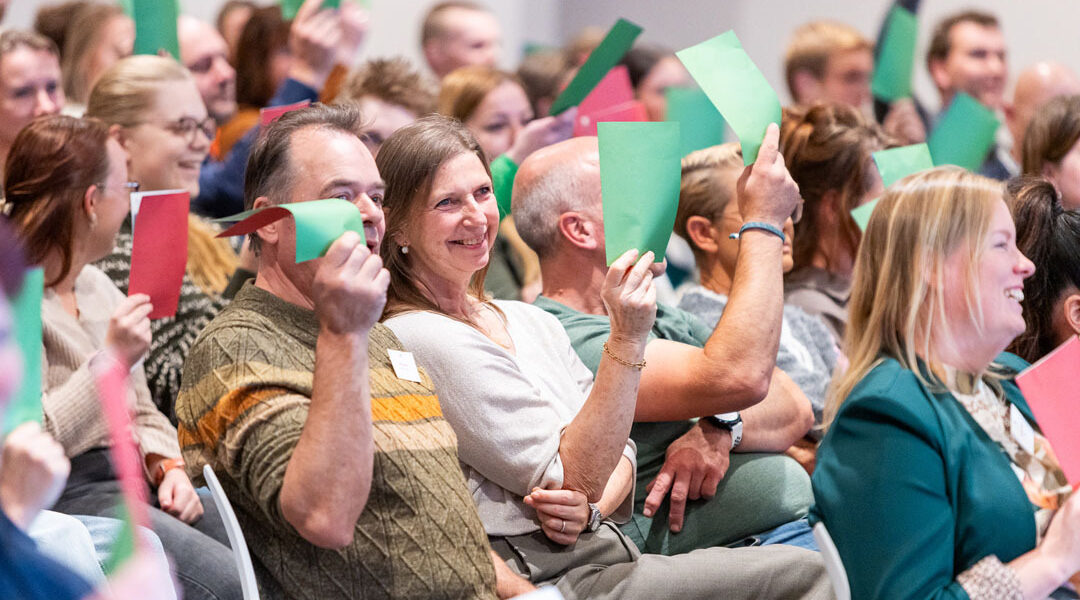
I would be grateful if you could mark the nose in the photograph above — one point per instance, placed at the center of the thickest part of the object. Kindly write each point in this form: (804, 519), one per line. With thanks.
(371, 212)
(225, 71)
(45, 104)
(1024, 266)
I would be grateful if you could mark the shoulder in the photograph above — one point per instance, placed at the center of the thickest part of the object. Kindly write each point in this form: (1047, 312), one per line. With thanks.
(94, 283)
(520, 313)
(889, 392)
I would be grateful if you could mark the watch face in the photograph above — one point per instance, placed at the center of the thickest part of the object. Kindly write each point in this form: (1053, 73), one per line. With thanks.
(595, 518)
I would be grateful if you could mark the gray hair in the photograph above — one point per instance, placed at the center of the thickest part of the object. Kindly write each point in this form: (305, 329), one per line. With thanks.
(538, 201)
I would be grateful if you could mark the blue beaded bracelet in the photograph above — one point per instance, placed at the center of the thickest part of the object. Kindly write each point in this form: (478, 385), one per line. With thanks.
(762, 226)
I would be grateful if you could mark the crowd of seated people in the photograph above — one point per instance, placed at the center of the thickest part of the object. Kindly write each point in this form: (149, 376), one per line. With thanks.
(467, 399)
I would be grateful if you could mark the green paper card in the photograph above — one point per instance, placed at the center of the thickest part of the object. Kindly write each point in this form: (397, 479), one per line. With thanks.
(318, 223)
(736, 87)
(700, 124)
(610, 51)
(289, 8)
(862, 213)
(128, 6)
(896, 56)
(26, 329)
(640, 170)
(155, 27)
(964, 134)
(124, 546)
(897, 163)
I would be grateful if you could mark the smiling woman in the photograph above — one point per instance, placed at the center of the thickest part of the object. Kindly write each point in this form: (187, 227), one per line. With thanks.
(29, 83)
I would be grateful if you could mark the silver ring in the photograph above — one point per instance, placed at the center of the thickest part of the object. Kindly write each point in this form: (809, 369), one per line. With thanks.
(562, 527)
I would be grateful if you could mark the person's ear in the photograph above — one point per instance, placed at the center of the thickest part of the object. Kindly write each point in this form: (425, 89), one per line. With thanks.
(807, 87)
(89, 203)
(940, 75)
(1071, 306)
(269, 233)
(702, 234)
(579, 230)
(118, 133)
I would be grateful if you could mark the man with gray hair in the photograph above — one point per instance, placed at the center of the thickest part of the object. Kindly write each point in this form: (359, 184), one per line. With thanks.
(694, 372)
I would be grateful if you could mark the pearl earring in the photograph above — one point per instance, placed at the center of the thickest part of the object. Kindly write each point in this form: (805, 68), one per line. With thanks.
(405, 249)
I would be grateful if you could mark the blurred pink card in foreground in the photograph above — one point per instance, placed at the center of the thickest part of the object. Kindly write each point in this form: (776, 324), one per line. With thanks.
(1050, 389)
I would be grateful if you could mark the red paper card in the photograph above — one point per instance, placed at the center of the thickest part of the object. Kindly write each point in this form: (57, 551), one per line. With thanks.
(1049, 387)
(628, 111)
(159, 249)
(613, 91)
(271, 113)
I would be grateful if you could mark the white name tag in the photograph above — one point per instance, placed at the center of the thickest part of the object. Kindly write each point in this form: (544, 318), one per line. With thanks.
(404, 365)
(1021, 430)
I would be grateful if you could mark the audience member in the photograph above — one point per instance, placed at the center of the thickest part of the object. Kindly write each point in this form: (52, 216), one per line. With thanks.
(231, 19)
(296, 376)
(829, 61)
(96, 38)
(30, 83)
(153, 108)
(827, 148)
(927, 419)
(459, 33)
(543, 444)
(967, 54)
(1035, 86)
(1052, 147)
(707, 217)
(390, 94)
(493, 105)
(543, 74)
(66, 183)
(52, 20)
(206, 56)
(694, 371)
(1049, 235)
(652, 71)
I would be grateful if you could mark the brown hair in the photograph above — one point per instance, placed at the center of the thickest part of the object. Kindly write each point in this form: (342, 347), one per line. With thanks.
(52, 162)
(813, 43)
(12, 261)
(434, 25)
(827, 147)
(52, 20)
(264, 34)
(13, 39)
(541, 73)
(941, 39)
(702, 191)
(1051, 133)
(463, 89)
(269, 166)
(408, 161)
(1049, 236)
(394, 81)
(82, 34)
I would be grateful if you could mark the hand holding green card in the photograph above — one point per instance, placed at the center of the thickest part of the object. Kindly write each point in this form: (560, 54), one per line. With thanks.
(155, 27)
(640, 170)
(318, 223)
(736, 87)
(289, 8)
(610, 51)
(964, 134)
(896, 56)
(26, 321)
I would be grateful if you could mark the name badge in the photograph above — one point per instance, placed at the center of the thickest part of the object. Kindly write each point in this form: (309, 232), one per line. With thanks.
(404, 365)
(1021, 430)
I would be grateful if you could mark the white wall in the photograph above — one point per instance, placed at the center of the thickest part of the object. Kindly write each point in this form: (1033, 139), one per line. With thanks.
(1035, 29)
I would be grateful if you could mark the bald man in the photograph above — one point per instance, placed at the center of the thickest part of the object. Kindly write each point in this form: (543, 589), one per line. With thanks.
(1035, 86)
(205, 53)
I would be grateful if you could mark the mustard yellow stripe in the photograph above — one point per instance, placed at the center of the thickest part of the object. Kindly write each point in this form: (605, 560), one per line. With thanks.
(405, 407)
(211, 426)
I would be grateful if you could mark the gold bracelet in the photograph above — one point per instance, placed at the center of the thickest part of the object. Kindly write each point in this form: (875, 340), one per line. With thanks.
(633, 365)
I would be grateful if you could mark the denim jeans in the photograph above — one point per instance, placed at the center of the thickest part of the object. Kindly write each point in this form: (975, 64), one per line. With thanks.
(794, 533)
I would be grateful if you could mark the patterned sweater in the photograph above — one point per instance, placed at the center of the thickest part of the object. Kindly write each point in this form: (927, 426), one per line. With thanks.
(172, 337)
(247, 388)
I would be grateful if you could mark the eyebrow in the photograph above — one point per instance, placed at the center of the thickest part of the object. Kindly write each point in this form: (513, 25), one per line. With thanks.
(352, 184)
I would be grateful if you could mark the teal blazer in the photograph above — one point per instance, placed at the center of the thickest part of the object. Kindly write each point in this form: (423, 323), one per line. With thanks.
(912, 489)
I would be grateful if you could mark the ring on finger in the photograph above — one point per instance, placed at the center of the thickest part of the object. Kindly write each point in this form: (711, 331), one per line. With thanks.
(562, 527)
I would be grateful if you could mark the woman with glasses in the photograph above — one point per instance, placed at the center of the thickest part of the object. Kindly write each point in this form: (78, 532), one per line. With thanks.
(707, 217)
(66, 184)
(827, 148)
(155, 112)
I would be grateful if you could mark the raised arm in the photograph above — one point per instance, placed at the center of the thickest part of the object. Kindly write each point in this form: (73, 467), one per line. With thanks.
(775, 423)
(733, 370)
(336, 443)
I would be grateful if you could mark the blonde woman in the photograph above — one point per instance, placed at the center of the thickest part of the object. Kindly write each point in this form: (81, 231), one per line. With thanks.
(154, 110)
(933, 478)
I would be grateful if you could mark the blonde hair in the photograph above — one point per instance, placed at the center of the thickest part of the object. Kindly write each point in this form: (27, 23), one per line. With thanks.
(123, 96)
(83, 33)
(897, 294)
(813, 43)
(703, 191)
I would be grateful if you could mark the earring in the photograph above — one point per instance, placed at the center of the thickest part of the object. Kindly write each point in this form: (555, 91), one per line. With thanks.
(404, 248)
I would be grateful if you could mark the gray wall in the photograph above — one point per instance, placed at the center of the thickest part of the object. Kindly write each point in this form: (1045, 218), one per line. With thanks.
(1035, 29)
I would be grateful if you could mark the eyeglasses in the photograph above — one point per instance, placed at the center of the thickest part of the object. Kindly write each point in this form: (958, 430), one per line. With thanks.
(188, 126)
(130, 186)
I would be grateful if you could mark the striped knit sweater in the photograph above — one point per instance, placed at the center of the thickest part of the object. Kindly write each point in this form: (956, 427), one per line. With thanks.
(247, 388)
(172, 337)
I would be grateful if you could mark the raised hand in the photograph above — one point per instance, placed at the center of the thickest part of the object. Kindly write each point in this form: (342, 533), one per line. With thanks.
(128, 337)
(903, 122)
(34, 470)
(542, 132)
(350, 285)
(630, 296)
(765, 190)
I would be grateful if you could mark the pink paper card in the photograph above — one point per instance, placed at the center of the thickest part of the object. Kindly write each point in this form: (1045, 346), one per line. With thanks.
(627, 111)
(1049, 387)
(159, 249)
(612, 91)
(271, 113)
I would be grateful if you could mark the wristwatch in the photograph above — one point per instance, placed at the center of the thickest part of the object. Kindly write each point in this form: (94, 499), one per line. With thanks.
(595, 517)
(732, 422)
